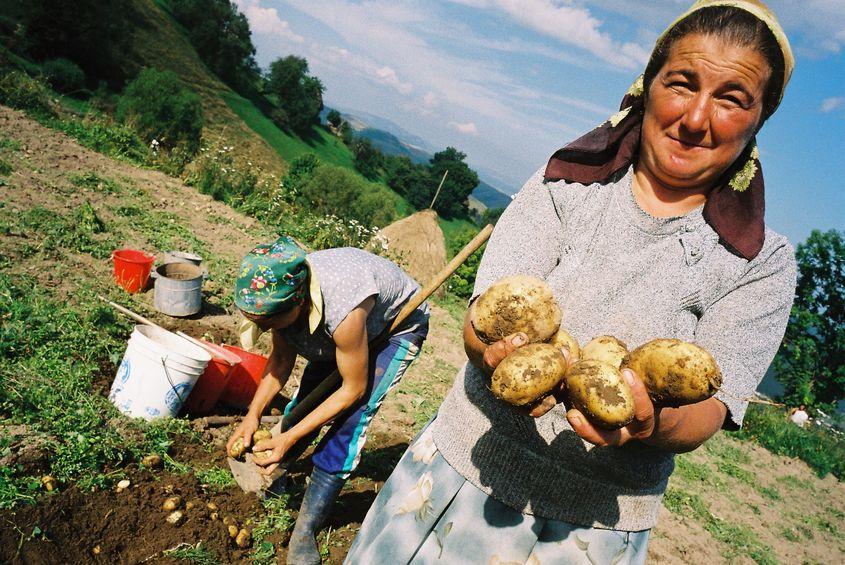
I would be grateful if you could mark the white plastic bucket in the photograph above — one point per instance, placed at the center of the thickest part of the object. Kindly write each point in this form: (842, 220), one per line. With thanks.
(157, 373)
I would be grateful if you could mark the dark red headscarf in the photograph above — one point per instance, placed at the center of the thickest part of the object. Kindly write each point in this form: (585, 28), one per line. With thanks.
(735, 205)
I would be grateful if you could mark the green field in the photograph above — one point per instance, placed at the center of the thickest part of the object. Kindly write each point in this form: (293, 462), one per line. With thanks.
(324, 145)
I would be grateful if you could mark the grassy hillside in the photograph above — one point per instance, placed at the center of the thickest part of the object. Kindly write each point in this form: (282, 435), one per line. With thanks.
(327, 147)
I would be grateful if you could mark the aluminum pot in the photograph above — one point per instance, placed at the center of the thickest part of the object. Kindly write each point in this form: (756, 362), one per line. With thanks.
(178, 289)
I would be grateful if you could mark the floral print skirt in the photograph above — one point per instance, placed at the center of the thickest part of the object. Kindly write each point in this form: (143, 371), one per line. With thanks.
(427, 512)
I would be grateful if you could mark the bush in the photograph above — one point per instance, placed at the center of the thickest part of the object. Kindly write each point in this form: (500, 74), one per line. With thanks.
(63, 75)
(159, 106)
(821, 448)
(336, 190)
(463, 281)
(19, 90)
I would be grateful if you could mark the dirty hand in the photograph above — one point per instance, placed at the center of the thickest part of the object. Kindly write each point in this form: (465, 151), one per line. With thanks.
(244, 430)
(268, 452)
(642, 426)
(496, 352)
(557, 395)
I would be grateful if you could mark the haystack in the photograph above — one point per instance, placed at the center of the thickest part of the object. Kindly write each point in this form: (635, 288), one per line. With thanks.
(416, 244)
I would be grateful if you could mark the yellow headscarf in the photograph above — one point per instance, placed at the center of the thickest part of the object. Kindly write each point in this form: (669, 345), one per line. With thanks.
(761, 12)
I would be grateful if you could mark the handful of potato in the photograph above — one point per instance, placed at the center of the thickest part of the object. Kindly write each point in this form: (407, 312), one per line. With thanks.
(238, 449)
(674, 372)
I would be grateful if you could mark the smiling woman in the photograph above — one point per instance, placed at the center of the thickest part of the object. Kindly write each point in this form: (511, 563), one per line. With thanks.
(650, 226)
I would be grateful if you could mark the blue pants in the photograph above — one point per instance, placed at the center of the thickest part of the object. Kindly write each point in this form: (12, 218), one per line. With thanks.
(340, 449)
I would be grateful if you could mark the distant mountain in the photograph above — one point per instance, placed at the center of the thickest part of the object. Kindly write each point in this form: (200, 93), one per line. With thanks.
(392, 139)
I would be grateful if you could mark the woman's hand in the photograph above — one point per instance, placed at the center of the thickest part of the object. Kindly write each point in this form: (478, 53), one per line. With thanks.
(278, 446)
(247, 427)
(641, 427)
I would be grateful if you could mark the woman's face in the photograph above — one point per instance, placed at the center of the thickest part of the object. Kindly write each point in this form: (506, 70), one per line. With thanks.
(703, 108)
(277, 321)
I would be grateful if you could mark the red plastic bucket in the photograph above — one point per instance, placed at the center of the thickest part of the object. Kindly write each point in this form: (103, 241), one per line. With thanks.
(132, 269)
(243, 378)
(212, 382)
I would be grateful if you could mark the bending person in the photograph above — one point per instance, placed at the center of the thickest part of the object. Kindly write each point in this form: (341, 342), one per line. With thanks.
(325, 306)
(649, 226)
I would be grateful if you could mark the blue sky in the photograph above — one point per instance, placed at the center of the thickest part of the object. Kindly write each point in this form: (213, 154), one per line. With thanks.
(510, 81)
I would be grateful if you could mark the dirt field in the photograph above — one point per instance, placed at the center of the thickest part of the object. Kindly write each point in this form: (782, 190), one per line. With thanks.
(728, 502)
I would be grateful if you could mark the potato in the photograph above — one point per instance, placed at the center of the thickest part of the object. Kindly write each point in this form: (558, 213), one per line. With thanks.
(48, 482)
(233, 531)
(675, 372)
(237, 450)
(261, 435)
(528, 373)
(563, 339)
(176, 518)
(605, 348)
(243, 538)
(516, 304)
(597, 389)
(152, 461)
(260, 456)
(172, 503)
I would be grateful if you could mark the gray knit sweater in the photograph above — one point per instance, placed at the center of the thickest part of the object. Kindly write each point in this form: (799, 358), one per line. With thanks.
(614, 269)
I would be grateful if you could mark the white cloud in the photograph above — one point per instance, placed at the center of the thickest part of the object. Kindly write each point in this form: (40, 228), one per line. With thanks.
(388, 76)
(466, 129)
(833, 103)
(266, 20)
(575, 26)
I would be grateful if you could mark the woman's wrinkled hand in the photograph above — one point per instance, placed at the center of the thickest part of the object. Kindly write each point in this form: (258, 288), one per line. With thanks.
(496, 352)
(245, 429)
(641, 427)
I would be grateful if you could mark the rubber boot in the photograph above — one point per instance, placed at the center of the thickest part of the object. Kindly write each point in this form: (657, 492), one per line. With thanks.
(321, 493)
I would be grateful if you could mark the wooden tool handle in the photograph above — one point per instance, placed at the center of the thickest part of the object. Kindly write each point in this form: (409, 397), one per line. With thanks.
(322, 391)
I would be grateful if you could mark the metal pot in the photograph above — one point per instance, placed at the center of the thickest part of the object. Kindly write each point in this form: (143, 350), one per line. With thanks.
(178, 289)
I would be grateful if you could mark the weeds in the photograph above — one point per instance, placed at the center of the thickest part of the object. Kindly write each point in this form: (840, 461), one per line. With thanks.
(215, 478)
(820, 448)
(5, 168)
(739, 540)
(92, 181)
(51, 361)
(277, 518)
(196, 554)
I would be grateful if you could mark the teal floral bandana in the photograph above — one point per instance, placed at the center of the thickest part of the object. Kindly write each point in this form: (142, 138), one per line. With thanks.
(272, 278)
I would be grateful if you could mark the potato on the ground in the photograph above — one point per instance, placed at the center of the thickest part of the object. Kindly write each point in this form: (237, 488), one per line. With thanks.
(564, 339)
(528, 374)
(605, 348)
(172, 503)
(516, 304)
(597, 389)
(675, 372)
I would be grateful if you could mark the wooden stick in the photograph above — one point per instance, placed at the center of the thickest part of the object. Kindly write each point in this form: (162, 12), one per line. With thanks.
(436, 194)
(130, 313)
(216, 421)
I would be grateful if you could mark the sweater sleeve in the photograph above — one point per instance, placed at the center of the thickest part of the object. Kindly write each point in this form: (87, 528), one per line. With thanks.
(743, 329)
(525, 240)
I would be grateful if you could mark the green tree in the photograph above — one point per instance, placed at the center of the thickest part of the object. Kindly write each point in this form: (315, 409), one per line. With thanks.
(463, 281)
(811, 361)
(334, 118)
(92, 33)
(491, 216)
(222, 38)
(298, 94)
(367, 159)
(461, 181)
(410, 180)
(159, 106)
(337, 190)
